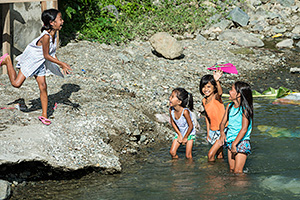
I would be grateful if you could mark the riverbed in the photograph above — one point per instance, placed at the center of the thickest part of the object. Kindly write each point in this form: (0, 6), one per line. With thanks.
(272, 170)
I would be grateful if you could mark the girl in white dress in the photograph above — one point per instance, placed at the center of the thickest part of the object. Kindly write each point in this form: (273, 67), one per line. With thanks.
(38, 59)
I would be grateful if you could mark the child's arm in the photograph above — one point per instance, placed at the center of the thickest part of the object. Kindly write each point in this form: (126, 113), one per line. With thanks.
(217, 75)
(187, 116)
(206, 121)
(175, 128)
(45, 40)
(222, 127)
(245, 124)
(207, 128)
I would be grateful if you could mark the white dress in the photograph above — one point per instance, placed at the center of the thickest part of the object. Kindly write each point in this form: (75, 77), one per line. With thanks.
(32, 58)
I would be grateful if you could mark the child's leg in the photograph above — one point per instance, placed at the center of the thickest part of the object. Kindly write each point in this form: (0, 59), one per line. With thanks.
(41, 80)
(231, 161)
(213, 151)
(189, 148)
(16, 80)
(240, 160)
(174, 147)
(220, 153)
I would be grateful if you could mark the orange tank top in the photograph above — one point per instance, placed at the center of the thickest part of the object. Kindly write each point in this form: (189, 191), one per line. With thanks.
(215, 112)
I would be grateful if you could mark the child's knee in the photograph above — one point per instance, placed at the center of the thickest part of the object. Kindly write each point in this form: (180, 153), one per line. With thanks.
(43, 86)
(189, 156)
(211, 155)
(16, 84)
(172, 153)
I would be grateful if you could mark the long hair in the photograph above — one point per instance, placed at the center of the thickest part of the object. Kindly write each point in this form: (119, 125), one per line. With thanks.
(246, 103)
(206, 79)
(185, 98)
(48, 16)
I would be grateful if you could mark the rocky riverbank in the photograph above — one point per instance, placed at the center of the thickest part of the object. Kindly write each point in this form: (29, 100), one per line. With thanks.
(104, 113)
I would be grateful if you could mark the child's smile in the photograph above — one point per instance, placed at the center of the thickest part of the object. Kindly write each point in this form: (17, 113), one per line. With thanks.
(58, 22)
(208, 89)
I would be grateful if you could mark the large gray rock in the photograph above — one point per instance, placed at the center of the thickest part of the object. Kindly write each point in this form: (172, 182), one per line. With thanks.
(4, 189)
(288, 43)
(40, 143)
(241, 38)
(296, 29)
(166, 45)
(238, 16)
(286, 3)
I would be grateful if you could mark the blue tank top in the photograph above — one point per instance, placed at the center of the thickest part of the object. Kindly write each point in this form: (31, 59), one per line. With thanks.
(235, 125)
(182, 124)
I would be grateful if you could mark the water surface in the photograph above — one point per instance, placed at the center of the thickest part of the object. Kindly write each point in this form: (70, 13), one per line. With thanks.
(272, 170)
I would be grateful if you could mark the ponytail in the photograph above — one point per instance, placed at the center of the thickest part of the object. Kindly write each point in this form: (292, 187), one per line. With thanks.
(185, 98)
(190, 104)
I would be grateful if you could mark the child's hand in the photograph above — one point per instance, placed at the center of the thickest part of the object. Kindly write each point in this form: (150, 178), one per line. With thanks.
(208, 138)
(179, 139)
(218, 74)
(233, 148)
(65, 67)
(184, 141)
(221, 140)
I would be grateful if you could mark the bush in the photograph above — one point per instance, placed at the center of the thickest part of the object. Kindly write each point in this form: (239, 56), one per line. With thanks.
(93, 20)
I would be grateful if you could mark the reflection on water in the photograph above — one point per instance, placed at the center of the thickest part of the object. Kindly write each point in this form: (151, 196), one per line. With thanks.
(273, 169)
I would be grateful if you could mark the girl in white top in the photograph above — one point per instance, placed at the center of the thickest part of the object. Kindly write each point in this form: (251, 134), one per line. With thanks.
(39, 58)
(182, 121)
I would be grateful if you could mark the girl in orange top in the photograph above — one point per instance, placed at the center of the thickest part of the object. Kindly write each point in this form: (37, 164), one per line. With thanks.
(211, 89)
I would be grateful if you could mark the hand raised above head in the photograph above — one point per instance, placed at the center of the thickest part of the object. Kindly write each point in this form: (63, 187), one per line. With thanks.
(218, 74)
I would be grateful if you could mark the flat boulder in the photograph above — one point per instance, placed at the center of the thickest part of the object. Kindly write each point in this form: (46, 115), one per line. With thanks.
(164, 44)
(241, 38)
(288, 43)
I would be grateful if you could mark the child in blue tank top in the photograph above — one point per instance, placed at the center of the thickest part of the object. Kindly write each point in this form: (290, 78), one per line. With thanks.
(182, 122)
(239, 114)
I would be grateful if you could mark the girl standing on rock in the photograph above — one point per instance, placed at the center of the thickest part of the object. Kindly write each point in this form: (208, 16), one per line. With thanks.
(239, 115)
(39, 57)
(211, 89)
(182, 122)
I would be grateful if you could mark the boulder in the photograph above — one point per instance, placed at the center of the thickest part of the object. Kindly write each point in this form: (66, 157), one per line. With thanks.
(288, 43)
(166, 45)
(295, 70)
(238, 16)
(241, 38)
(4, 189)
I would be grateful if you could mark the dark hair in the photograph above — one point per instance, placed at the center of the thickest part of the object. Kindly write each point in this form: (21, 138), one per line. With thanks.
(48, 16)
(246, 103)
(185, 98)
(206, 79)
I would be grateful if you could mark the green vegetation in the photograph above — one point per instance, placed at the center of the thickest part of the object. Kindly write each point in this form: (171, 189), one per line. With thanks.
(93, 20)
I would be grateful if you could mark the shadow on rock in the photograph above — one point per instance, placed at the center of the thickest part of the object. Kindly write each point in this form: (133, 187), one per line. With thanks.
(161, 56)
(37, 170)
(53, 99)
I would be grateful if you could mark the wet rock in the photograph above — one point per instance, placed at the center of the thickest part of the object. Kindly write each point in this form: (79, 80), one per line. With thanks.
(4, 189)
(166, 45)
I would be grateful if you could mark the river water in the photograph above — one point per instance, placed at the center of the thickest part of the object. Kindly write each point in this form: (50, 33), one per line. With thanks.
(272, 170)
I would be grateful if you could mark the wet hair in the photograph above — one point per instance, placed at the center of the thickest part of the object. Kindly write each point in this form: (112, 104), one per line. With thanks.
(48, 16)
(185, 98)
(246, 103)
(206, 79)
